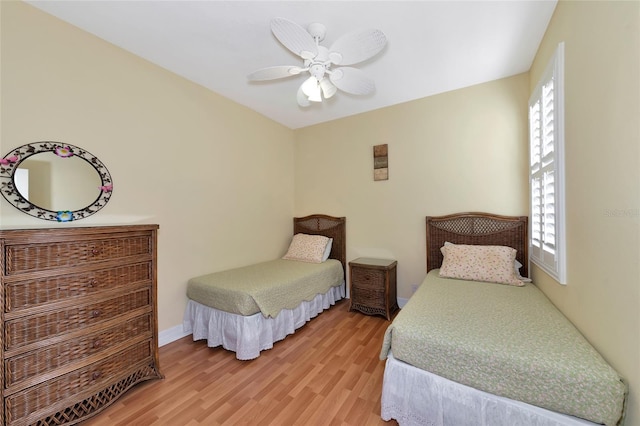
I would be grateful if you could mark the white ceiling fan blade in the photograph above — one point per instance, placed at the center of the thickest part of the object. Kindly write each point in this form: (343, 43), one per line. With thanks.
(357, 46)
(294, 37)
(352, 80)
(302, 99)
(272, 73)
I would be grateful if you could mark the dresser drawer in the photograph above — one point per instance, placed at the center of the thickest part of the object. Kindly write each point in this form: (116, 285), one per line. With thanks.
(35, 328)
(39, 400)
(32, 364)
(40, 291)
(367, 278)
(22, 258)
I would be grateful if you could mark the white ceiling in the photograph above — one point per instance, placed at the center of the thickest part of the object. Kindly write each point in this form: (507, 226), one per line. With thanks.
(433, 46)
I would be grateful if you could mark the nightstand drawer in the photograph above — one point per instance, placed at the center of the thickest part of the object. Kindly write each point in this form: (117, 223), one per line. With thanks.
(371, 297)
(366, 278)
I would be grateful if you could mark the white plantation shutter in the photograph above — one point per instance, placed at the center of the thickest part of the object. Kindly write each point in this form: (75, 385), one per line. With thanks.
(536, 213)
(536, 179)
(546, 173)
(549, 220)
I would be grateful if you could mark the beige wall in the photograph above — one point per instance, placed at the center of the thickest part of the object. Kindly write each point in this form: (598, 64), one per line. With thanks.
(464, 150)
(185, 158)
(602, 150)
(180, 156)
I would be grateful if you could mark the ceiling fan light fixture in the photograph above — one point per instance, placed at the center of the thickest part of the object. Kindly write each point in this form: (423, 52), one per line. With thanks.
(316, 96)
(328, 89)
(311, 89)
(302, 99)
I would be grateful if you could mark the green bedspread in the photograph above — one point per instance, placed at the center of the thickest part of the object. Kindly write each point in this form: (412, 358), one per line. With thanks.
(266, 287)
(508, 341)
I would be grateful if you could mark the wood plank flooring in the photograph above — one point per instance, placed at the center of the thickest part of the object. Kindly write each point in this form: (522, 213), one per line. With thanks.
(327, 373)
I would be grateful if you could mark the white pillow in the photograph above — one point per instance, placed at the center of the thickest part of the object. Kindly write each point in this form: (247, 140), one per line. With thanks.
(307, 248)
(327, 250)
(517, 265)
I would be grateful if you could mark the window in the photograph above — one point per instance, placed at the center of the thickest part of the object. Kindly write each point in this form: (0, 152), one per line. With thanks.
(546, 170)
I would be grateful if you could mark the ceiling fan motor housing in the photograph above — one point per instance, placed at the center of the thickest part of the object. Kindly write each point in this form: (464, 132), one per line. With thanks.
(317, 70)
(320, 63)
(317, 31)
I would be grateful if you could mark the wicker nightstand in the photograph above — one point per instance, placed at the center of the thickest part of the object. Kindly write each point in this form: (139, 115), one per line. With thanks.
(373, 286)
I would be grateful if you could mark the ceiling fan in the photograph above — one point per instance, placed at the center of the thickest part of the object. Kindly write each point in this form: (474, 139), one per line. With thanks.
(324, 80)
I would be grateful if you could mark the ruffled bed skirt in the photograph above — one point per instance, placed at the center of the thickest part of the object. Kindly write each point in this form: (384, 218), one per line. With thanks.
(415, 397)
(247, 336)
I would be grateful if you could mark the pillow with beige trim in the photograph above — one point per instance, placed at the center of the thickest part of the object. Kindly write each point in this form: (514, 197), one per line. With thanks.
(480, 263)
(307, 248)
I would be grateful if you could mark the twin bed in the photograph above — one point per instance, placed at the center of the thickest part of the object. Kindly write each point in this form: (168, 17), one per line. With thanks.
(477, 344)
(466, 350)
(246, 310)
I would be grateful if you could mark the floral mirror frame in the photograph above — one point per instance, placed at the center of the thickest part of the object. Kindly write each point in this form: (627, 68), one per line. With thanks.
(9, 164)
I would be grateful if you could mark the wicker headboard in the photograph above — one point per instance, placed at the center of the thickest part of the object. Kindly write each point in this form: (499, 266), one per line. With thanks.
(329, 226)
(480, 229)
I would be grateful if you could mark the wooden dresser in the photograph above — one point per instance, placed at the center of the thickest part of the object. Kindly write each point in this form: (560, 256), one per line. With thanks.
(79, 320)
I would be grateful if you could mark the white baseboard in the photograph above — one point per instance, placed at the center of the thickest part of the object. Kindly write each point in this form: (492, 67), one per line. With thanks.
(171, 335)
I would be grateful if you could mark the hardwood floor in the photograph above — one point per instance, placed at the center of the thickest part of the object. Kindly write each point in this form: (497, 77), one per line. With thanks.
(327, 373)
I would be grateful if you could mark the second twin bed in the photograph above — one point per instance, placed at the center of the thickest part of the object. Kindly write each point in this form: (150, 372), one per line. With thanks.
(246, 310)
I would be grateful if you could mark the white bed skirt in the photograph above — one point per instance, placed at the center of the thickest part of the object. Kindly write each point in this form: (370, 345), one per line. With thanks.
(248, 335)
(415, 397)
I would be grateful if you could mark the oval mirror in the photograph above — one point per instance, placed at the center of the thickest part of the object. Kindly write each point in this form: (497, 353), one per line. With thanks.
(54, 181)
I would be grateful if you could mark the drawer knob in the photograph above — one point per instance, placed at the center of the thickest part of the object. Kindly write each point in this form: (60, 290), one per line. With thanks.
(95, 313)
(96, 344)
(95, 251)
(93, 282)
(96, 375)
